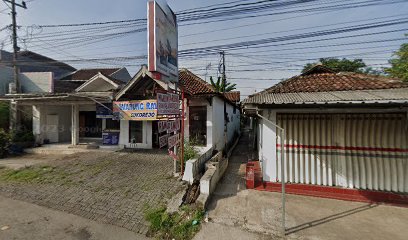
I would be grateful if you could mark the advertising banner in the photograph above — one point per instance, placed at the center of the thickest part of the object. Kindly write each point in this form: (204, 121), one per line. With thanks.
(162, 40)
(144, 110)
(168, 104)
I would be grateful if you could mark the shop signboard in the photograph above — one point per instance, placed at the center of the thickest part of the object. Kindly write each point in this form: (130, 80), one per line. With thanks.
(110, 138)
(173, 140)
(143, 110)
(169, 126)
(162, 126)
(168, 104)
(104, 111)
(173, 126)
(163, 140)
(162, 40)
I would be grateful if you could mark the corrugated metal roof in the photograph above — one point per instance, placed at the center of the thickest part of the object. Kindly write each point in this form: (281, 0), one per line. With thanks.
(358, 96)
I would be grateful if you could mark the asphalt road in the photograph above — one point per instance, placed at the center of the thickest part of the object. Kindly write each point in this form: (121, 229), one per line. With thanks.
(21, 220)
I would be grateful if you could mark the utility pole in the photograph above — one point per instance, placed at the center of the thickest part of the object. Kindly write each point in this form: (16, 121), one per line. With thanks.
(16, 89)
(224, 81)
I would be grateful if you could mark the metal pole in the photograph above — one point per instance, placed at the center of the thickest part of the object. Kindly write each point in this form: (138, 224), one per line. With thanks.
(283, 181)
(182, 131)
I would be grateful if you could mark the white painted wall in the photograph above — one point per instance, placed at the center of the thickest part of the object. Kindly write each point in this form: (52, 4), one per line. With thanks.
(37, 82)
(40, 113)
(267, 146)
(31, 82)
(218, 122)
(124, 140)
(215, 121)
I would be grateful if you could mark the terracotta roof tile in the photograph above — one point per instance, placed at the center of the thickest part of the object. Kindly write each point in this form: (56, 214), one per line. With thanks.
(86, 74)
(234, 96)
(193, 84)
(330, 81)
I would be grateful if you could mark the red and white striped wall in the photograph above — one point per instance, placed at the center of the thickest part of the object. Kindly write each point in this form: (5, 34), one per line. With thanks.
(352, 150)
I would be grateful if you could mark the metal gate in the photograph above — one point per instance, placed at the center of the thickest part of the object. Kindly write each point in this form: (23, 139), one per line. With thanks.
(363, 151)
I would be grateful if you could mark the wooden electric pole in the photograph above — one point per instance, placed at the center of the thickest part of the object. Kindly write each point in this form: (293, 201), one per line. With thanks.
(16, 49)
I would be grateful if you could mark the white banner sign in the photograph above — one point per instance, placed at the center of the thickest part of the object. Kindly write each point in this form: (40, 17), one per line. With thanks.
(168, 104)
(173, 140)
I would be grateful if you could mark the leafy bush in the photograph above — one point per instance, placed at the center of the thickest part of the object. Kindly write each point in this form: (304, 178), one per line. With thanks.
(190, 152)
(23, 136)
(180, 226)
(4, 143)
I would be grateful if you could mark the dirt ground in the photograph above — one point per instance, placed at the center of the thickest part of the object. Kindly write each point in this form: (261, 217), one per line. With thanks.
(22, 220)
(108, 187)
(26, 160)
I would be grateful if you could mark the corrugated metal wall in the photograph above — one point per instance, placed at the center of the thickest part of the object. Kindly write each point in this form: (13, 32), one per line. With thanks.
(364, 151)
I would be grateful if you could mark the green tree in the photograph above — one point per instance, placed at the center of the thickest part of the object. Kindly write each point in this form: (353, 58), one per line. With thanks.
(399, 65)
(339, 65)
(219, 86)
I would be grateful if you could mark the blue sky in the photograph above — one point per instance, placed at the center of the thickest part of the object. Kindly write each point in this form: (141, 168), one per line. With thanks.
(288, 58)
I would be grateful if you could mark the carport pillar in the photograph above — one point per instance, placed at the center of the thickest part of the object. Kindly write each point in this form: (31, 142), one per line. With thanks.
(75, 125)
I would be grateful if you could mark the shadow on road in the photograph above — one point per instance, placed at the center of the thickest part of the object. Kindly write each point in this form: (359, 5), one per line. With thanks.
(329, 218)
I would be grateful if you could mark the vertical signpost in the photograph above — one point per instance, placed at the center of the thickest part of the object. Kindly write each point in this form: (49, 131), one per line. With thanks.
(163, 64)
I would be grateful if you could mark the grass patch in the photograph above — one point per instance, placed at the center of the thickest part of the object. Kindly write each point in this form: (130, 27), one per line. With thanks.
(28, 174)
(182, 225)
(35, 174)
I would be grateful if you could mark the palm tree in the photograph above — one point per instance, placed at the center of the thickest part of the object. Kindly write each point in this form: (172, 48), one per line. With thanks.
(219, 87)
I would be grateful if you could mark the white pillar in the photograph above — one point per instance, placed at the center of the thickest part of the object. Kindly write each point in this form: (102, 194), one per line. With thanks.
(38, 123)
(75, 125)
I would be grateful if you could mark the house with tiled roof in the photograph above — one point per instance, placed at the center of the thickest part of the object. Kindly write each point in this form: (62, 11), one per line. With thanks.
(204, 111)
(80, 104)
(80, 108)
(341, 135)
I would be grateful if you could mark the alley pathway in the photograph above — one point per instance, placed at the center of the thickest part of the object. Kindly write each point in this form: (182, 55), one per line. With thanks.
(239, 213)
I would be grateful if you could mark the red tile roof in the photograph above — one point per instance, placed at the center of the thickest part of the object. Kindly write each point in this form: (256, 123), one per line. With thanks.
(318, 80)
(194, 85)
(234, 96)
(86, 74)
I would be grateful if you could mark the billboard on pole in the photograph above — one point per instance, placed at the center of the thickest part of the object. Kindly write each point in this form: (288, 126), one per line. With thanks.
(162, 40)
